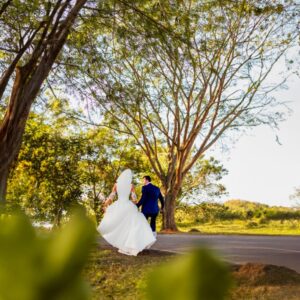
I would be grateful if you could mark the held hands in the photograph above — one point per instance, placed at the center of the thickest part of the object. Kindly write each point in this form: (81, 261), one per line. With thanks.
(133, 195)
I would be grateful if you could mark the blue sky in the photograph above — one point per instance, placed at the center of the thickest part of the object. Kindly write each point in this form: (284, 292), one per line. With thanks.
(259, 168)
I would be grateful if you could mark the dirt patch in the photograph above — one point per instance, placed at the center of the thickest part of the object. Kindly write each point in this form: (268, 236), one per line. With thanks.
(155, 253)
(252, 274)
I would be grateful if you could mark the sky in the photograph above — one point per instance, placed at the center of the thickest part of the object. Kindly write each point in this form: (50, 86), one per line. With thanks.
(260, 169)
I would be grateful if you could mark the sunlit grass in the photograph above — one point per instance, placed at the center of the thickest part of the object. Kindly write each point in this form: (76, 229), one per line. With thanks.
(286, 227)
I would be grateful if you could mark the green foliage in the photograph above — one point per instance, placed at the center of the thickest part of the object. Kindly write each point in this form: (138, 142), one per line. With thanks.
(62, 163)
(251, 224)
(105, 156)
(282, 214)
(46, 179)
(198, 276)
(251, 210)
(238, 217)
(177, 76)
(39, 266)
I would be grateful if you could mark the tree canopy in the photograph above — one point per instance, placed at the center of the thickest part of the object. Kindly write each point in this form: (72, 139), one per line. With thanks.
(182, 77)
(172, 78)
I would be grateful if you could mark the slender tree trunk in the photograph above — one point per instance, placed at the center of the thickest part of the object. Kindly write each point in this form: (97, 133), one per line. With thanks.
(96, 209)
(4, 6)
(58, 216)
(3, 184)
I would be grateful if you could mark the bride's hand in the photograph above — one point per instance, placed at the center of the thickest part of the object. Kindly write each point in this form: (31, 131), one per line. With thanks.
(133, 195)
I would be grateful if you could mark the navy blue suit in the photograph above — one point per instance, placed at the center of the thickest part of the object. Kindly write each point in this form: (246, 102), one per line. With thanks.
(149, 202)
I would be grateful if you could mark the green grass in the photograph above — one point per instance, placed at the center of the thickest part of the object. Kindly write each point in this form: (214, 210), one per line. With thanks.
(116, 276)
(287, 227)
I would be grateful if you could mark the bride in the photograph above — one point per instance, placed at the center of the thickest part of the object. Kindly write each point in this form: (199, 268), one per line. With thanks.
(123, 226)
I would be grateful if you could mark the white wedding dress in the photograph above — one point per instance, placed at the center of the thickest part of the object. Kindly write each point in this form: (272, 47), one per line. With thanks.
(123, 226)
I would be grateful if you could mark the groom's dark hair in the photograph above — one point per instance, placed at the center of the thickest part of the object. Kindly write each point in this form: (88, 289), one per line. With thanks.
(147, 178)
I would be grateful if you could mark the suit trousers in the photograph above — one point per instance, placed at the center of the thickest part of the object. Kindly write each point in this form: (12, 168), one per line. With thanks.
(152, 220)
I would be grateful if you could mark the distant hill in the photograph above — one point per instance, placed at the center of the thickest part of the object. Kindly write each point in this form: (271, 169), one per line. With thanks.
(238, 205)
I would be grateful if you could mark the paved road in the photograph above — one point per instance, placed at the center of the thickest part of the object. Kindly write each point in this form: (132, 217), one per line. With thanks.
(277, 250)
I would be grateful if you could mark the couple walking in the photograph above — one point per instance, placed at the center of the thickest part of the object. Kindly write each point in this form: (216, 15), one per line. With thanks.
(123, 225)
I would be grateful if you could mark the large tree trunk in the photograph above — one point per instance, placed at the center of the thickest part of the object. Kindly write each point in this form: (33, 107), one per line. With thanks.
(169, 222)
(27, 84)
(11, 130)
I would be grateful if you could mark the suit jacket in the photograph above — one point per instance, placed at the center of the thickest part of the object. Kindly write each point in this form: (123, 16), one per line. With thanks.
(149, 200)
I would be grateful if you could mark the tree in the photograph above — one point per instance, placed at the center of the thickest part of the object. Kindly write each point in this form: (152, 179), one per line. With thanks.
(61, 163)
(46, 180)
(36, 40)
(186, 92)
(33, 34)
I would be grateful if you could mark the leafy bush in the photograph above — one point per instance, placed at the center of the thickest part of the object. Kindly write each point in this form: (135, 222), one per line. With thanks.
(249, 214)
(263, 220)
(283, 214)
(251, 224)
(39, 266)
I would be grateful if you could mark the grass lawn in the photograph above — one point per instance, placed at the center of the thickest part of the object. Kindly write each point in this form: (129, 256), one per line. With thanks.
(287, 227)
(116, 276)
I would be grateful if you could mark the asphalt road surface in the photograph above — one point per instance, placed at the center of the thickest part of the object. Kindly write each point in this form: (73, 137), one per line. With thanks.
(276, 250)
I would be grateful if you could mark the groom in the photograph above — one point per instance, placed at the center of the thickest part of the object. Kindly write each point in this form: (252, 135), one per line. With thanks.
(149, 202)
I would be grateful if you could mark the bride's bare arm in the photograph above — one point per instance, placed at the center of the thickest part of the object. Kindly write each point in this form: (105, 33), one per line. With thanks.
(111, 196)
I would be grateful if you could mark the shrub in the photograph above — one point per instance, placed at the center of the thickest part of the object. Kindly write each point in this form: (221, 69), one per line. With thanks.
(263, 220)
(251, 224)
(249, 214)
(283, 214)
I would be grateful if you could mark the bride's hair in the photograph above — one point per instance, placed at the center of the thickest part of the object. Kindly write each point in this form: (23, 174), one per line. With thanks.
(125, 176)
